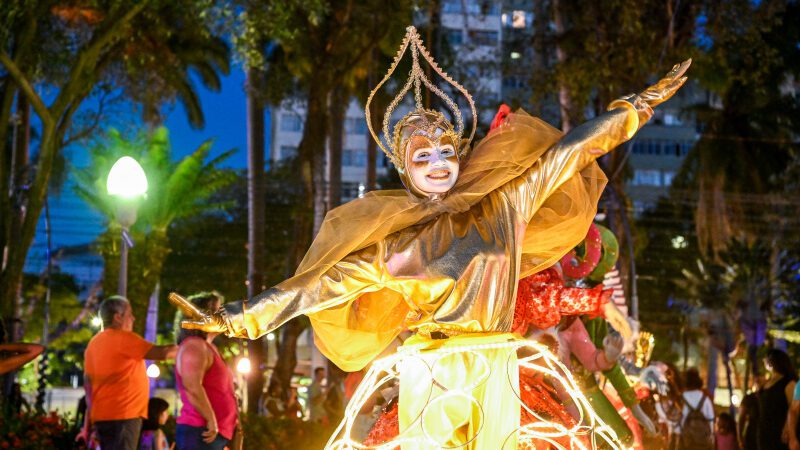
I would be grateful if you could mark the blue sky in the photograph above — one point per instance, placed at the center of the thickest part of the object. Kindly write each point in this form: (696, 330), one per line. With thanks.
(74, 223)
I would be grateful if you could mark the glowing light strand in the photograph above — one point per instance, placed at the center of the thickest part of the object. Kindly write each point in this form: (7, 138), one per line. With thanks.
(541, 360)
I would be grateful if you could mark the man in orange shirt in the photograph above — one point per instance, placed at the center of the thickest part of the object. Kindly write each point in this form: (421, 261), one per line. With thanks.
(115, 379)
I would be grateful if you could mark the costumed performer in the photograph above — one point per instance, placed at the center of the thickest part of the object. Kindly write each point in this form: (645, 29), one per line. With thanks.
(443, 257)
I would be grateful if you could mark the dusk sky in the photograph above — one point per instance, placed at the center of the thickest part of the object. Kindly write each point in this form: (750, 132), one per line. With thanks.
(74, 223)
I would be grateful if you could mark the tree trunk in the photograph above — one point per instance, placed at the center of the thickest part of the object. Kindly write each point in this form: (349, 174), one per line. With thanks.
(310, 153)
(540, 26)
(6, 103)
(338, 112)
(372, 146)
(564, 97)
(255, 226)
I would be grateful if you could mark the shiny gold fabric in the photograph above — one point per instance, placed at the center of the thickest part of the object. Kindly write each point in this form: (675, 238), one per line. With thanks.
(464, 392)
(453, 400)
(392, 261)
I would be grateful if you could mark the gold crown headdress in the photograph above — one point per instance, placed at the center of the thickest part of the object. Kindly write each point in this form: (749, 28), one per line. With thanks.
(391, 146)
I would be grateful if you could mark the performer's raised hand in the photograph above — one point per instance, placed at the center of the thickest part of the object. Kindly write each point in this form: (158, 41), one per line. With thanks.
(667, 86)
(197, 319)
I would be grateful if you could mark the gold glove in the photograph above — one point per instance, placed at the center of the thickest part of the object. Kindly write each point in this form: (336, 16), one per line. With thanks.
(667, 86)
(197, 319)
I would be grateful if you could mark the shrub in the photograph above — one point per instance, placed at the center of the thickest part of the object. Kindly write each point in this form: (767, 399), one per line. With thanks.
(35, 431)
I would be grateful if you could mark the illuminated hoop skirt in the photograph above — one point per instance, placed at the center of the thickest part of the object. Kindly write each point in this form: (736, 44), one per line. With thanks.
(463, 393)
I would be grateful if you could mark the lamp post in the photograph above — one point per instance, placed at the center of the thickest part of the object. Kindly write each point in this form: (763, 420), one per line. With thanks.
(243, 367)
(127, 183)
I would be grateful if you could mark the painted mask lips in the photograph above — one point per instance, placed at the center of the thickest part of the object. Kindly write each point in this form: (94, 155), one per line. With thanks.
(439, 175)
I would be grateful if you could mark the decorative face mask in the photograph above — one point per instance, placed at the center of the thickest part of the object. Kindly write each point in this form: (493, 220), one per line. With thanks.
(432, 165)
(424, 146)
(431, 153)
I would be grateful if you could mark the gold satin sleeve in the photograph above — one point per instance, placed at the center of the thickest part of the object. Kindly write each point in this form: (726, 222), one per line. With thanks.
(574, 152)
(356, 307)
(357, 274)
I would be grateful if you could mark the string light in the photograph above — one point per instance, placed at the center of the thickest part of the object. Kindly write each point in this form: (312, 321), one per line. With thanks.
(588, 429)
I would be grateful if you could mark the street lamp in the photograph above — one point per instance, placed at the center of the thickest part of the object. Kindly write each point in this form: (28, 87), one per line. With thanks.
(153, 371)
(243, 368)
(127, 183)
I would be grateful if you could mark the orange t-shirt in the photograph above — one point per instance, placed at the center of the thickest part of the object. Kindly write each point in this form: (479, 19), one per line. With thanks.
(114, 362)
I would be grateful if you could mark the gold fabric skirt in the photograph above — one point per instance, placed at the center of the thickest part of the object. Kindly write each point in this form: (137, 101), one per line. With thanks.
(463, 392)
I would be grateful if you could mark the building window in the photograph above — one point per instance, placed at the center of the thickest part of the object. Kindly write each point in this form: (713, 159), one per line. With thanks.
(668, 177)
(474, 7)
(287, 151)
(513, 82)
(646, 177)
(291, 122)
(453, 37)
(451, 6)
(520, 19)
(671, 119)
(355, 125)
(354, 158)
(483, 37)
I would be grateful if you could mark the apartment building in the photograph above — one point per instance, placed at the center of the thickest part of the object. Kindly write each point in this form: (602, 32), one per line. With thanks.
(472, 31)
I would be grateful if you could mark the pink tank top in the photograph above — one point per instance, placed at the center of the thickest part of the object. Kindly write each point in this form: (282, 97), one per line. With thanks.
(218, 384)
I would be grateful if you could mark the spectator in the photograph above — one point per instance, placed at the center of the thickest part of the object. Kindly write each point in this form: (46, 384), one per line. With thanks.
(209, 415)
(792, 420)
(316, 397)
(696, 428)
(725, 433)
(272, 404)
(748, 416)
(774, 399)
(293, 408)
(153, 438)
(115, 380)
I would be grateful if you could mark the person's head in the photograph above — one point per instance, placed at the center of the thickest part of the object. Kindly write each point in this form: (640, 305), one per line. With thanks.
(157, 413)
(206, 301)
(778, 362)
(431, 149)
(319, 374)
(116, 312)
(692, 380)
(725, 424)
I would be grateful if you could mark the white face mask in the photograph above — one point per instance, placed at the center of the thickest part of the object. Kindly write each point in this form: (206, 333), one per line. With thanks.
(434, 169)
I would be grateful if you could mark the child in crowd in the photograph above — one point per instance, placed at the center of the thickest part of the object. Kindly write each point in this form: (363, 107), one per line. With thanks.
(153, 437)
(725, 432)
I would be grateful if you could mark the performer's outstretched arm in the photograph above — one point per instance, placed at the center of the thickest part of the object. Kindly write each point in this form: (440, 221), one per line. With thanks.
(358, 273)
(588, 142)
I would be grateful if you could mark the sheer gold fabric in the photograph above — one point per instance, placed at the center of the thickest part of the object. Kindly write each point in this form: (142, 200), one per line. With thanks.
(392, 261)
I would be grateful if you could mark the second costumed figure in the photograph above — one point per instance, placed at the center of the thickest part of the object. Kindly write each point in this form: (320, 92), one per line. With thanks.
(442, 259)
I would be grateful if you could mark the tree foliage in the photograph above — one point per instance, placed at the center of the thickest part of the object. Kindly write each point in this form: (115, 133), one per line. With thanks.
(176, 190)
(748, 57)
(56, 56)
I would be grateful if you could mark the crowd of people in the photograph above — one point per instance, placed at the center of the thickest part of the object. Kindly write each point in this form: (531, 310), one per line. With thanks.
(120, 414)
(767, 416)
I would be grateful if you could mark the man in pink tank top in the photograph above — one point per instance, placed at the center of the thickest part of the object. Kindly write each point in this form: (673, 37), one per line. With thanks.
(209, 416)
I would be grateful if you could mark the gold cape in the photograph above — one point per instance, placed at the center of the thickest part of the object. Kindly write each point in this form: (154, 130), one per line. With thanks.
(355, 318)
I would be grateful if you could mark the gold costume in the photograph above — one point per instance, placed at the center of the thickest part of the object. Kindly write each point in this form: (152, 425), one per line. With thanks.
(447, 265)
(456, 273)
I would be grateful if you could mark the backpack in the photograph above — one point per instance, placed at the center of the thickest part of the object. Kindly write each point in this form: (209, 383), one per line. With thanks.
(695, 431)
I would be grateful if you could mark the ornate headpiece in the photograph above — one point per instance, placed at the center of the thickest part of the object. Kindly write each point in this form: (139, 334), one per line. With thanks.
(425, 121)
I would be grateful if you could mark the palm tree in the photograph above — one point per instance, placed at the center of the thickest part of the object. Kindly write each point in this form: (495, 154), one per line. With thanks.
(142, 50)
(748, 122)
(176, 190)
